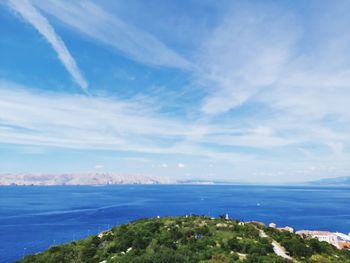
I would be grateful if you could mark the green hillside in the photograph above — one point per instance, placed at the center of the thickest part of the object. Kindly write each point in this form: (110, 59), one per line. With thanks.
(190, 239)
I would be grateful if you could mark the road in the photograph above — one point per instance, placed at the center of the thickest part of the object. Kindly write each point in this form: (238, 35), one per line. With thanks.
(280, 251)
(277, 248)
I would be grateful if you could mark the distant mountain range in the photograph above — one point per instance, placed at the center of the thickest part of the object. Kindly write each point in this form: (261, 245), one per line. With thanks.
(113, 178)
(337, 181)
(87, 178)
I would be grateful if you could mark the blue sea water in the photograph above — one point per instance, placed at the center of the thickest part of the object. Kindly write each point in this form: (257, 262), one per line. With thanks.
(33, 218)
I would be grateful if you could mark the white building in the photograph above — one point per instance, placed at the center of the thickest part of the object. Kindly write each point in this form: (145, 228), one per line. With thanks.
(326, 236)
(286, 228)
(272, 225)
(342, 236)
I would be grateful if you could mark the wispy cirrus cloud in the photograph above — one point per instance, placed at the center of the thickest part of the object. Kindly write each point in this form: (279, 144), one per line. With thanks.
(268, 57)
(245, 53)
(71, 121)
(32, 15)
(97, 23)
(295, 78)
(133, 126)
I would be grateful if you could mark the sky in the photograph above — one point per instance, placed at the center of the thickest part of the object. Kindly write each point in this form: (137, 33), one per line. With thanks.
(241, 91)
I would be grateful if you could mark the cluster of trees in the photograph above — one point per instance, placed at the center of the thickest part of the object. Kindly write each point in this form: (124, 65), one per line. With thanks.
(247, 246)
(186, 239)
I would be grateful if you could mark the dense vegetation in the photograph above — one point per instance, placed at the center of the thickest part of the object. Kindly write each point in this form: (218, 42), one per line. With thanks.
(189, 239)
(308, 250)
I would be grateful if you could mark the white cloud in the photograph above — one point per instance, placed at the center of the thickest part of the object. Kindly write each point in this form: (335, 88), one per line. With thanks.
(294, 78)
(42, 25)
(180, 165)
(99, 166)
(42, 119)
(79, 122)
(246, 53)
(97, 23)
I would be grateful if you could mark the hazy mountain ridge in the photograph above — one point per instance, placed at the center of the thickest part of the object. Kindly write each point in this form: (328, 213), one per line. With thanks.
(84, 178)
(337, 181)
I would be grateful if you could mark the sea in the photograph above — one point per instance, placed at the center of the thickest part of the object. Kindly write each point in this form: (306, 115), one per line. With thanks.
(33, 218)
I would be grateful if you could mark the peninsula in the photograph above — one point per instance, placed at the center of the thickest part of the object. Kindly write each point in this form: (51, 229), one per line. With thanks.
(193, 239)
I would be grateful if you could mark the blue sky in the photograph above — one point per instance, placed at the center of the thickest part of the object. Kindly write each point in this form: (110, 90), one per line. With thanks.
(254, 91)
